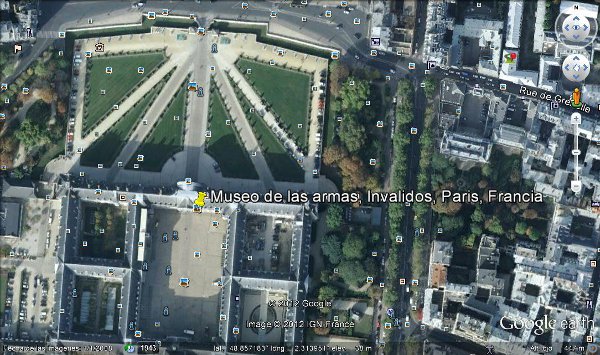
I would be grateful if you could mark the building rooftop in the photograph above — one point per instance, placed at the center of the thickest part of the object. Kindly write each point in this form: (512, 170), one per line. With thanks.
(19, 189)
(453, 91)
(10, 219)
(513, 24)
(441, 252)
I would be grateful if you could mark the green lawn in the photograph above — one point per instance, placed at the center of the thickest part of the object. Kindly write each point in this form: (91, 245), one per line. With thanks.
(166, 137)
(286, 90)
(107, 148)
(282, 165)
(225, 145)
(364, 326)
(123, 79)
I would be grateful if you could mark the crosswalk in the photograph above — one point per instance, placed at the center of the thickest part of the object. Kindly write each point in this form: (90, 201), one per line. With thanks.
(47, 34)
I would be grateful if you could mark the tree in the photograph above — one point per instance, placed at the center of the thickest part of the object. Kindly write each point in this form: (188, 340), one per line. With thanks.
(31, 134)
(451, 224)
(327, 292)
(478, 215)
(338, 72)
(494, 226)
(371, 267)
(354, 96)
(448, 207)
(335, 216)
(430, 85)
(521, 228)
(354, 247)
(61, 107)
(333, 154)
(533, 233)
(332, 248)
(486, 170)
(352, 133)
(5, 250)
(41, 70)
(375, 237)
(353, 272)
(476, 229)
(530, 214)
(354, 174)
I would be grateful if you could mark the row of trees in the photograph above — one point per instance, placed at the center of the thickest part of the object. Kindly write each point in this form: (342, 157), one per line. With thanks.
(401, 142)
(426, 144)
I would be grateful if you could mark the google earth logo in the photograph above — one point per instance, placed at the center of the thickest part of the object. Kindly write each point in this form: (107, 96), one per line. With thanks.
(129, 348)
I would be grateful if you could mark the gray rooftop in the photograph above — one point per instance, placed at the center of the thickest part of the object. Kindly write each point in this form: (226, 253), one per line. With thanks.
(10, 219)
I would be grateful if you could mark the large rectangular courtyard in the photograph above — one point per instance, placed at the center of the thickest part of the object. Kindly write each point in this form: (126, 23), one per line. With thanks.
(195, 307)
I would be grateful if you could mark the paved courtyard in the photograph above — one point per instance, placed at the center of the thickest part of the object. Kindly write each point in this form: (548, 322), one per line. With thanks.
(190, 308)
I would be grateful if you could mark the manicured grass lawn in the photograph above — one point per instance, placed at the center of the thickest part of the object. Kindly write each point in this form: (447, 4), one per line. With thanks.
(165, 139)
(225, 145)
(123, 79)
(107, 148)
(287, 91)
(363, 326)
(104, 230)
(282, 165)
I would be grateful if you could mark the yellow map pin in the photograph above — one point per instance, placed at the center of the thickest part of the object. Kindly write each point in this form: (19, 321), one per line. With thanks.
(200, 200)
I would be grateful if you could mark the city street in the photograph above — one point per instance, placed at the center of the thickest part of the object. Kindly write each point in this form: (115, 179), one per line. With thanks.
(62, 15)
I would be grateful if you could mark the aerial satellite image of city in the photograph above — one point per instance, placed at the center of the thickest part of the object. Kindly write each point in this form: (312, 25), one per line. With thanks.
(411, 177)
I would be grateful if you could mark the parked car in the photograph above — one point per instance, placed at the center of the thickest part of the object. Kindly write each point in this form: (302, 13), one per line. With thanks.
(168, 271)
(175, 235)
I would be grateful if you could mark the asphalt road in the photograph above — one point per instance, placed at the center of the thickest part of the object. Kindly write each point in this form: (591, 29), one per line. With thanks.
(61, 15)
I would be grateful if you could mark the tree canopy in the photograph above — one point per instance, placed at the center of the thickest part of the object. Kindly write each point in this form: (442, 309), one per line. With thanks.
(332, 248)
(353, 272)
(354, 247)
(335, 216)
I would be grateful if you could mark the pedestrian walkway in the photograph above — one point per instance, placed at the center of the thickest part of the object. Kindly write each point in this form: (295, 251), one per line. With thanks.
(245, 44)
(241, 122)
(152, 116)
